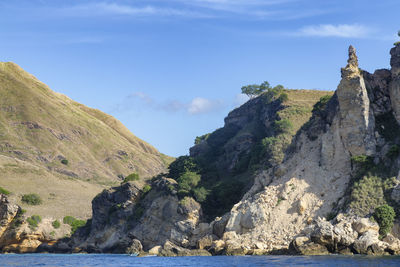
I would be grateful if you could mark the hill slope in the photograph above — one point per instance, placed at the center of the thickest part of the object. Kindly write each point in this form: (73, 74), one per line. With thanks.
(62, 150)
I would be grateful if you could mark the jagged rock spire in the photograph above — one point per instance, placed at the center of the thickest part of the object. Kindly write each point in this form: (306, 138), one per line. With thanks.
(353, 60)
(352, 64)
(356, 118)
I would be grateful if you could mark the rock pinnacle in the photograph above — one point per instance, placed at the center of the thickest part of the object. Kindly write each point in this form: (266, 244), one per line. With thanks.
(352, 64)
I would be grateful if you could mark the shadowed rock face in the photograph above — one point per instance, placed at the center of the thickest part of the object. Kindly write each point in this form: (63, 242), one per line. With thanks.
(395, 60)
(395, 84)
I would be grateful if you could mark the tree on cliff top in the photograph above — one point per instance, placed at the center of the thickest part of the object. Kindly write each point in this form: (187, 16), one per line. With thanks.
(254, 90)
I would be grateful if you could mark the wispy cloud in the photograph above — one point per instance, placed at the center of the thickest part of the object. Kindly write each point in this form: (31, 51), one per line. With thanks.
(235, 5)
(203, 105)
(106, 8)
(330, 30)
(198, 105)
(191, 9)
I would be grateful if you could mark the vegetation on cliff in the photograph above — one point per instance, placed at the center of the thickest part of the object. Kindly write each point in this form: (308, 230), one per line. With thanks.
(220, 174)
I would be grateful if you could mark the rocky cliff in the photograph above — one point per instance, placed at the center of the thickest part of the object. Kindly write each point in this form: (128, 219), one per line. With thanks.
(315, 187)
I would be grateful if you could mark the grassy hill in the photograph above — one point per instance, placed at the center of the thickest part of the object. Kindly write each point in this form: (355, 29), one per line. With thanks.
(62, 150)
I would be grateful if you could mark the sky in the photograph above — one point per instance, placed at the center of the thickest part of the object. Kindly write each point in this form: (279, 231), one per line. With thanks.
(171, 70)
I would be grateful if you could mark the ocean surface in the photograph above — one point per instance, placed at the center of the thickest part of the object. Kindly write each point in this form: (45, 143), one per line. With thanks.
(220, 261)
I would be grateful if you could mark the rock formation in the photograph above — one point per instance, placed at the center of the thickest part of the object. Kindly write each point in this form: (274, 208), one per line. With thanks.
(285, 208)
(356, 117)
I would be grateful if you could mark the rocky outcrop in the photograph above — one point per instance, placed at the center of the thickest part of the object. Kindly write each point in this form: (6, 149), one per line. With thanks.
(15, 235)
(8, 213)
(356, 117)
(346, 235)
(124, 217)
(255, 114)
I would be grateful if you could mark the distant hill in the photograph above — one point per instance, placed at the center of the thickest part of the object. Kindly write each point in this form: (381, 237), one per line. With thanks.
(62, 150)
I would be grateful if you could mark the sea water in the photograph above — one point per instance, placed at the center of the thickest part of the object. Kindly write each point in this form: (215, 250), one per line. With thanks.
(89, 260)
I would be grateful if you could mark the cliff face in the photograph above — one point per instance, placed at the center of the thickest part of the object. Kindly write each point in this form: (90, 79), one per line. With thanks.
(318, 173)
(316, 199)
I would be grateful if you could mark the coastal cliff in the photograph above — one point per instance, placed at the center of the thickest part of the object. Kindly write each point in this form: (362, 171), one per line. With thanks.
(283, 176)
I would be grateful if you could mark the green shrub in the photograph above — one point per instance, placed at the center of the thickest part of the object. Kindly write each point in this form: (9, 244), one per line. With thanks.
(34, 221)
(68, 220)
(283, 97)
(74, 223)
(384, 216)
(200, 194)
(321, 104)
(64, 161)
(31, 199)
(181, 165)
(283, 126)
(362, 162)
(131, 177)
(146, 188)
(369, 193)
(187, 181)
(199, 139)
(4, 191)
(77, 224)
(56, 224)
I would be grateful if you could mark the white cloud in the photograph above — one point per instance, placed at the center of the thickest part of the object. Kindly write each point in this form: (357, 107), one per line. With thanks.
(147, 99)
(197, 105)
(203, 105)
(105, 8)
(330, 30)
(243, 7)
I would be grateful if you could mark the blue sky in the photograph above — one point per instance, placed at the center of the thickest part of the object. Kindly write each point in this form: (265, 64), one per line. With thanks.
(171, 70)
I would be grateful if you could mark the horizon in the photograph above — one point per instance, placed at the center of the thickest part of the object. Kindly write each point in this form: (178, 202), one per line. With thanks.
(172, 70)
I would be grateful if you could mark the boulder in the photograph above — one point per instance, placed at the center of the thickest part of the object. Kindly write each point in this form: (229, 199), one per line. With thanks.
(217, 247)
(205, 242)
(362, 244)
(393, 244)
(135, 248)
(363, 225)
(304, 246)
(219, 225)
(155, 250)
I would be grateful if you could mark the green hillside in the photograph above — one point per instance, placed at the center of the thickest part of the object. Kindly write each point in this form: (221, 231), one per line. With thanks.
(62, 150)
